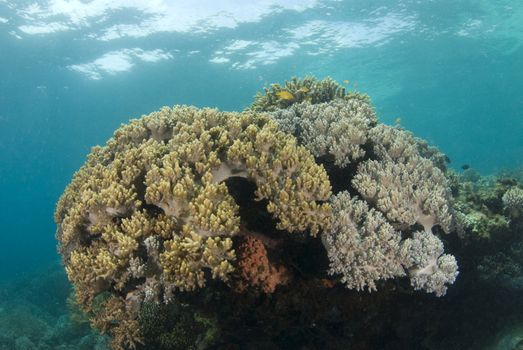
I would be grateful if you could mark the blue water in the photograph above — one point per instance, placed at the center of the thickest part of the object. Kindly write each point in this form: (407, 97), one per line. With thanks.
(71, 72)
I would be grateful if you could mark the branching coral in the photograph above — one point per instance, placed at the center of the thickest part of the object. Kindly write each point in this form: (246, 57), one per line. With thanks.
(308, 89)
(407, 193)
(150, 214)
(397, 144)
(338, 128)
(209, 147)
(429, 268)
(399, 178)
(513, 202)
(186, 256)
(362, 246)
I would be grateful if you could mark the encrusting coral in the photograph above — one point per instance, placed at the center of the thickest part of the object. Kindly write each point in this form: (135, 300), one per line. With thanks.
(255, 269)
(149, 214)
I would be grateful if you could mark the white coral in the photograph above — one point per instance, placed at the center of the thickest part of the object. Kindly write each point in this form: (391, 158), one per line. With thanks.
(392, 143)
(513, 202)
(339, 128)
(136, 267)
(407, 193)
(362, 246)
(429, 269)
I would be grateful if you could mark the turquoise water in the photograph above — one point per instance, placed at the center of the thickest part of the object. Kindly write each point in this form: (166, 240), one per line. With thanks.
(72, 71)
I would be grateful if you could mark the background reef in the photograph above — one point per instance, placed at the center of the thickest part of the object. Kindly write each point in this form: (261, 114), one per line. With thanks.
(167, 249)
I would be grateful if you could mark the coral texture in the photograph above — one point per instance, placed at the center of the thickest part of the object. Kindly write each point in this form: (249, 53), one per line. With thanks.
(308, 89)
(429, 268)
(339, 128)
(407, 193)
(254, 268)
(398, 178)
(149, 214)
(513, 201)
(362, 246)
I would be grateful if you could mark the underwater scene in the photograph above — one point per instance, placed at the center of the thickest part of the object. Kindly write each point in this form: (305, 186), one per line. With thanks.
(265, 174)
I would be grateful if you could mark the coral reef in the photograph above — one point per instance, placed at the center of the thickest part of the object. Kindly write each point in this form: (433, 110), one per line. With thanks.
(489, 225)
(339, 128)
(296, 90)
(187, 207)
(481, 212)
(399, 179)
(308, 315)
(150, 213)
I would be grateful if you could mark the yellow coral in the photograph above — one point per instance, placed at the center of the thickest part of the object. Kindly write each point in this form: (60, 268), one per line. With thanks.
(214, 211)
(151, 212)
(212, 146)
(186, 256)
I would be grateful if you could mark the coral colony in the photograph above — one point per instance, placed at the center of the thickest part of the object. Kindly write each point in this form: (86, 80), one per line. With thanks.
(188, 199)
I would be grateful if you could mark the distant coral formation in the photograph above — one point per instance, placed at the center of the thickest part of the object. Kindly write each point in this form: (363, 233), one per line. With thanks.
(187, 199)
(490, 221)
(513, 201)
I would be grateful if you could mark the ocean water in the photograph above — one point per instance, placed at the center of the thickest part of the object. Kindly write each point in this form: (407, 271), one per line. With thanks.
(72, 71)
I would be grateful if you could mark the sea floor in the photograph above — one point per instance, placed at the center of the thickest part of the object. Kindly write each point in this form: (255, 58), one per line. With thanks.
(34, 315)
